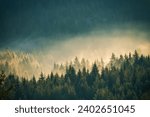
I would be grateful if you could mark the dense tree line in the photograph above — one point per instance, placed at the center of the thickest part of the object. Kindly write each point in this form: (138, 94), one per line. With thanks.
(126, 77)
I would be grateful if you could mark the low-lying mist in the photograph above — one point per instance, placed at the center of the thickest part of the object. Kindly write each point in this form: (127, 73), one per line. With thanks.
(96, 45)
(92, 46)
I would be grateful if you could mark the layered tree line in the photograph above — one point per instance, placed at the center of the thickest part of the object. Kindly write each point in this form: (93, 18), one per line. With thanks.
(124, 78)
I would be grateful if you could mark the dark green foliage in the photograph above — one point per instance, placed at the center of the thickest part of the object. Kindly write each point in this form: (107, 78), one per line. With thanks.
(127, 77)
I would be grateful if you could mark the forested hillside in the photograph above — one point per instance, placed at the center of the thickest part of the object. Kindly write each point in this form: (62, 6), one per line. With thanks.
(19, 63)
(126, 77)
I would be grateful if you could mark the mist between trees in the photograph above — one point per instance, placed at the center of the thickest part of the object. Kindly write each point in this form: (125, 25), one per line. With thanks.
(124, 78)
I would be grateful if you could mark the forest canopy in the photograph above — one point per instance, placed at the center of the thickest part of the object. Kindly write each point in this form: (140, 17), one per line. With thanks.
(123, 78)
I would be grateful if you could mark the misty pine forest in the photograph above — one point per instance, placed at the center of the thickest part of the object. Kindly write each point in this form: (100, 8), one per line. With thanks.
(126, 77)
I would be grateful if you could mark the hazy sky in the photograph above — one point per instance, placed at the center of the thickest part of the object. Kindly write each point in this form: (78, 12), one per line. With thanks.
(75, 27)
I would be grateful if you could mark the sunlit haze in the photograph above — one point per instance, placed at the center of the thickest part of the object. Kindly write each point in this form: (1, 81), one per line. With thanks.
(35, 35)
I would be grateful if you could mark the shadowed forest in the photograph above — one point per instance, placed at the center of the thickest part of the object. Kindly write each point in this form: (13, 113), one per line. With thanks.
(125, 78)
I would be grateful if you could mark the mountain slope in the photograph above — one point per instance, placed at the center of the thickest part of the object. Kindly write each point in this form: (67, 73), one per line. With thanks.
(19, 63)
